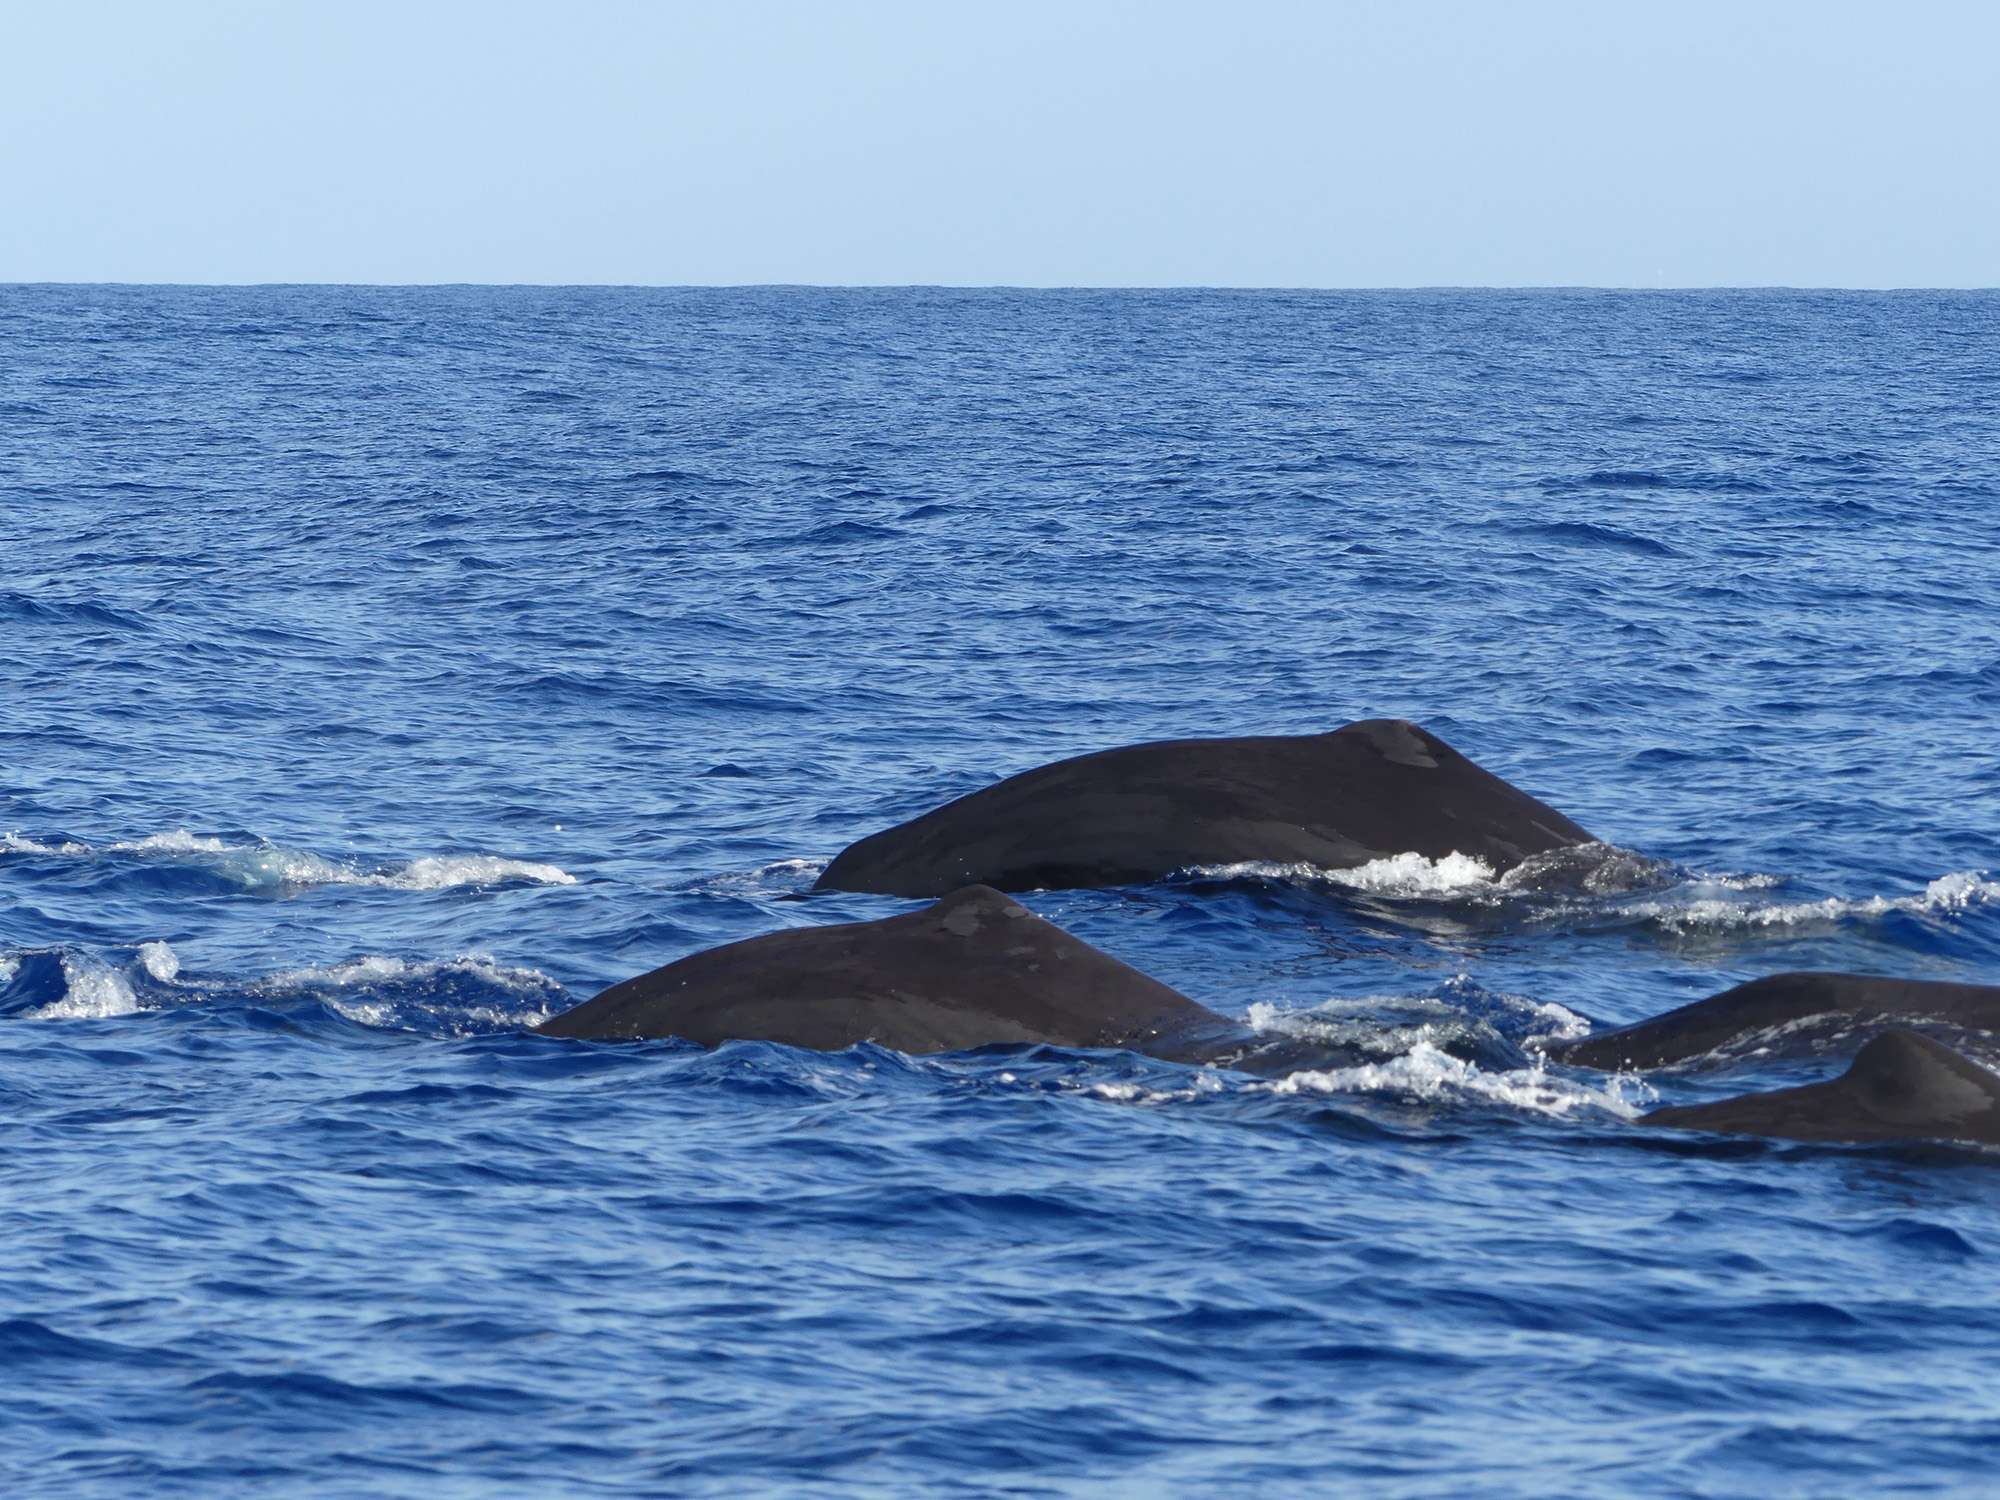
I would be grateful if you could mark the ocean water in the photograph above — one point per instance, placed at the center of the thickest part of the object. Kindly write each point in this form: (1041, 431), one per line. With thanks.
(383, 670)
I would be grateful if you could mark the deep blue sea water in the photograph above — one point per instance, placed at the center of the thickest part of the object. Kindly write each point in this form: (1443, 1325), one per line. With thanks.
(382, 670)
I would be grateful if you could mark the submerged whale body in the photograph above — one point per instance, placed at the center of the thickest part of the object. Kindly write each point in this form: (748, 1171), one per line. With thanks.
(1377, 788)
(1700, 1028)
(1902, 1086)
(974, 970)
(977, 969)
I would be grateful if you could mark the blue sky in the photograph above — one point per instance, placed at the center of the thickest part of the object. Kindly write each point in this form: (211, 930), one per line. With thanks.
(1235, 144)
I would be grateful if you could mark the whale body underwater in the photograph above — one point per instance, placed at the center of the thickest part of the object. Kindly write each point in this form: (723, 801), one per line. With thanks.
(976, 968)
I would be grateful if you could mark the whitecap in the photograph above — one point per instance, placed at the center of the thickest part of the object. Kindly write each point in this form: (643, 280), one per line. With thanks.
(1428, 1073)
(1954, 892)
(1122, 1091)
(381, 968)
(442, 872)
(1741, 882)
(783, 874)
(1392, 875)
(174, 841)
(19, 843)
(1465, 1011)
(793, 867)
(91, 992)
(1564, 1024)
(353, 988)
(1593, 869)
(160, 961)
(265, 866)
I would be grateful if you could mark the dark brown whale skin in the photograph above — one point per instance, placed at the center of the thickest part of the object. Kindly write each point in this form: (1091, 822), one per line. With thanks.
(1699, 1028)
(1372, 789)
(1902, 1086)
(978, 969)
(973, 970)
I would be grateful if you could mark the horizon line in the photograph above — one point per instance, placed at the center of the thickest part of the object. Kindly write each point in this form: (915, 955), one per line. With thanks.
(1021, 286)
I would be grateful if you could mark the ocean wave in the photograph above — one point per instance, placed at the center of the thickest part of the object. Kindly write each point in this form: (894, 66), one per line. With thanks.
(265, 866)
(461, 995)
(1595, 883)
(1410, 875)
(1429, 1074)
(382, 990)
(1696, 912)
(17, 843)
(779, 877)
(1124, 1091)
(92, 991)
(1464, 1011)
(1593, 869)
(90, 988)
(160, 961)
(439, 872)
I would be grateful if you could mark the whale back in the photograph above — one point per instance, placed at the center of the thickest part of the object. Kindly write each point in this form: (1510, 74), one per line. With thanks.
(975, 969)
(1705, 1025)
(1901, 1086)
(1372, 789)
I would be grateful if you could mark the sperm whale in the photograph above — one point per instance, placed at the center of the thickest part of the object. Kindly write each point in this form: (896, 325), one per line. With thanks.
(1375, 788)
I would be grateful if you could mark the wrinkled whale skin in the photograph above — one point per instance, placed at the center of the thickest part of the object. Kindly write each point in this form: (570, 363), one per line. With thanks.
(1902, 1086)
(1372, 789)
(974, 970)
(1705, 1025)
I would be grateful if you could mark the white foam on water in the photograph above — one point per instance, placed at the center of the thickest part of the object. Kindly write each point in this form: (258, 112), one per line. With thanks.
(9, 967)
(160, 961)
(1594, 869)
(786, 874)
(442, 872)
(378, 968)
(1432, 1075)
(1960, 889)
(1954, 892)
(793, 867)
(19, 843)
(373, 969)
(1124, 1093)
(1380, 1018)
(352, 979)
(1409, 1020)
(1200, 1083)
(1393, 875)
(91, 992)
(1264, 1016)
(175, 841)
(384, 1016)
(1565, 1025)
(1742, 882)
(264, 866)
(1414, 875)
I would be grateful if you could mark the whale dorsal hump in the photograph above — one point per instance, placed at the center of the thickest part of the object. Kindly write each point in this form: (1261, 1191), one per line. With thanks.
(1902, 1086)
(1906, 1077)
